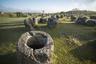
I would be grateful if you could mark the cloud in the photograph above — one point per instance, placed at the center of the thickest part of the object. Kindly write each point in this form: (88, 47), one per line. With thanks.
(90, 4)
(86, 4)
(84, 1)
(89, 1)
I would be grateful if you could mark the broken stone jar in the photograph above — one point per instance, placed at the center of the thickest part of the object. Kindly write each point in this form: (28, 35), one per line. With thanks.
(35, 47)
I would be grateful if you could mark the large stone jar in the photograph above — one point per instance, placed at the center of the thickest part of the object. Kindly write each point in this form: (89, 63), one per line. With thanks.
(35, 47)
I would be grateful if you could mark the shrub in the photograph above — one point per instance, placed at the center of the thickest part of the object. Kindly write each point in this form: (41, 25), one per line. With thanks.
(61, 16)
(57, 16)
(73, 18)
(92, 17)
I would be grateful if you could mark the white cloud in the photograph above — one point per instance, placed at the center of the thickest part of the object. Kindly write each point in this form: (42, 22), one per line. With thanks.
(86, 4)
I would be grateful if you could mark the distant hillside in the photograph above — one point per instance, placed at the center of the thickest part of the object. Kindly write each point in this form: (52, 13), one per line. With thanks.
(81, 12)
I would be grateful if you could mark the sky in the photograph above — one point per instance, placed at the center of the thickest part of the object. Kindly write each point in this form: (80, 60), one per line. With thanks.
(49, 5)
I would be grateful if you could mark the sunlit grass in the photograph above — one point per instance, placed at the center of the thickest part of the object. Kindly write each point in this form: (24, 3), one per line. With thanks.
(67, 37)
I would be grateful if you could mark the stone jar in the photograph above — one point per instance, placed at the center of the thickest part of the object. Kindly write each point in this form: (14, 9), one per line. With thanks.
(35, 47)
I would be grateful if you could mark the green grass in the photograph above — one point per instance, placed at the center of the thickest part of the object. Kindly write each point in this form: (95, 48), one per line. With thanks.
(73, 43)
(10, 31)
(68, 37)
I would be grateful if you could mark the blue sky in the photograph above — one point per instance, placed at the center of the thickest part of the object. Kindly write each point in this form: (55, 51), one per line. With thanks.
(49, 5)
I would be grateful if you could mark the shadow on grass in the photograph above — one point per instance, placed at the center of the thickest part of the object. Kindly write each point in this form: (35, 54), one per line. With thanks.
(71, 29)
(8, 58)
(11, 24)
(11, 34)
(86, 51)
(8, 37)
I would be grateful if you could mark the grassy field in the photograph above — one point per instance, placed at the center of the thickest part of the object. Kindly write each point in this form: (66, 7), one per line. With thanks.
(74, 44)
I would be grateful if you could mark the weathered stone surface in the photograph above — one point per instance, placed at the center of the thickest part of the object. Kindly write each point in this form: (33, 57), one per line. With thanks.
(29, 24)
(81, 20)
(42, 20)
(91, 22)
(27, 54)
(52, 22)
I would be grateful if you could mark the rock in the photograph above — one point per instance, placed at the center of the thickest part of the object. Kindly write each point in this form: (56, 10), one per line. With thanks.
(81, 20)
(91, 22)
(52, 21)
(29, 24)
(42, 20)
